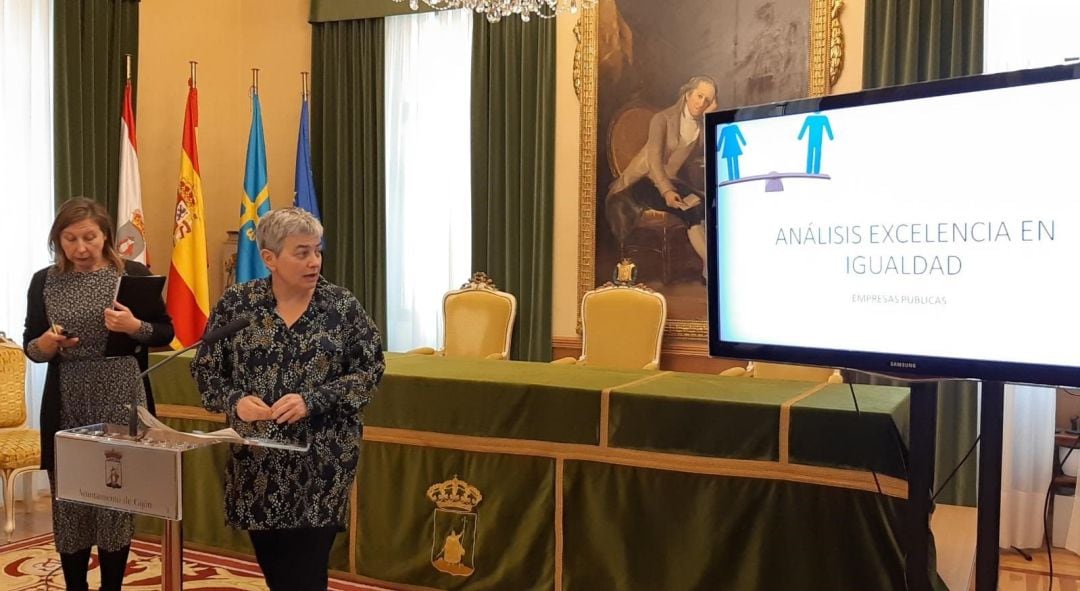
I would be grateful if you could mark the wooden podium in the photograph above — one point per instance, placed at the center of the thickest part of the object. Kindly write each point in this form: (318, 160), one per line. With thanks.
(103, 465)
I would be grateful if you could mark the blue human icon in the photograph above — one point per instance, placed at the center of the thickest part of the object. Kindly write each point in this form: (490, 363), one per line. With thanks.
(728, 147)
(815, 124)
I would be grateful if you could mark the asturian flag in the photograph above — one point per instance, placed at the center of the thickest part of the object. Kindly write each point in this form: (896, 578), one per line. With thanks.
(305, 180)
(130, 228)
(255, 202)
(188, 293)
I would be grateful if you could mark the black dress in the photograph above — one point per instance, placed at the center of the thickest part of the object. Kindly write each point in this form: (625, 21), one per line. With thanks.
(86, 387)
(331, 356)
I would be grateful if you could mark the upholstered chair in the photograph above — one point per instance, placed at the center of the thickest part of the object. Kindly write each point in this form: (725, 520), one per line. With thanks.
(622, 328)
(784, 371)
(20, 446)
(478, 321)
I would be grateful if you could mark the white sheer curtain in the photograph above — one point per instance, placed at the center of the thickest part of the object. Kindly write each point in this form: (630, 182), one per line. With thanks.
(26, 201)
(1026, 464)
(428, 187)
(1020, 34)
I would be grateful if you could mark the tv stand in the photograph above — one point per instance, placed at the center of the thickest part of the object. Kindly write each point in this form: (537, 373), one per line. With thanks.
(921, 481)
(922, 432)
(991, 425)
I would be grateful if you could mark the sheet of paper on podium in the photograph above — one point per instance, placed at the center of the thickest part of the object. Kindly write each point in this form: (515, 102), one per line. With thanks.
(226, 435)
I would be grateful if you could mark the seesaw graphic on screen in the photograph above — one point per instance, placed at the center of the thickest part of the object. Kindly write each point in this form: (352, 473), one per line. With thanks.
(730, 142)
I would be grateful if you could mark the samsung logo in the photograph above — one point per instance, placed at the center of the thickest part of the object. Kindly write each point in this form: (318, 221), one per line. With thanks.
(903, 364)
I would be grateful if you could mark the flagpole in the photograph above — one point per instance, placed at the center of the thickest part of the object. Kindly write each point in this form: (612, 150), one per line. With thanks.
(304, 186)
(172, 538)
(127, 63)
(255, 202)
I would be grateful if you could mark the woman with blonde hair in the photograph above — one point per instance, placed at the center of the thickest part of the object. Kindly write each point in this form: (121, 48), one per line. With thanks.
(70, 313)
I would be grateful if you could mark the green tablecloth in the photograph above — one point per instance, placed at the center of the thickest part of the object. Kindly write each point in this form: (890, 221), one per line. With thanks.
(514, 399)
(594, 479)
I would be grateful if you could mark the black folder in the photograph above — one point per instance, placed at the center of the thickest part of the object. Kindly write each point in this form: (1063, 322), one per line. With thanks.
(142, 294)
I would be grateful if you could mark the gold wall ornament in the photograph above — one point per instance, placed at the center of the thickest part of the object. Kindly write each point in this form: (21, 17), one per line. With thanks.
(579, 57)
(823, 27)
(836, 43)
(454, 523)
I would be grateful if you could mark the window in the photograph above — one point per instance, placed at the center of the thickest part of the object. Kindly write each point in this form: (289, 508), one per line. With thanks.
(428, 186)
(26, 165)
(1020, 34)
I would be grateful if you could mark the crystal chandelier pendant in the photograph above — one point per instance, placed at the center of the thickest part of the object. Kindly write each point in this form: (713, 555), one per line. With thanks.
(495, 10)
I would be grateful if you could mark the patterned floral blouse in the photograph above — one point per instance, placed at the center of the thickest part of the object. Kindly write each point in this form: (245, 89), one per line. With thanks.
(331, 356)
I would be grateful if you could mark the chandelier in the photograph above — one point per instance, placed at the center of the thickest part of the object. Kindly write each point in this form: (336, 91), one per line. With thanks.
(496, 9)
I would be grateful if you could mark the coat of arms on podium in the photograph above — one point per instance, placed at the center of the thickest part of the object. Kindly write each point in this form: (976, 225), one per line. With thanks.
(114, 472)
(454, 522)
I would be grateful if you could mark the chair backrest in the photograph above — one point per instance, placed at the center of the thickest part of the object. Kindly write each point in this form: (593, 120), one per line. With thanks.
(627, 134)
(622, 327)
(12, 384)
(803, 373)
(479, 320)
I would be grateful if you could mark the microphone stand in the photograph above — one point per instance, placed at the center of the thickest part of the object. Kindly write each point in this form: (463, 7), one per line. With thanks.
(133, 418)
(210, 337)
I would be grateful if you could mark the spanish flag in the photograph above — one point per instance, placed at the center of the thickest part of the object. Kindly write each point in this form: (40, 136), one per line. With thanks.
(188, 294)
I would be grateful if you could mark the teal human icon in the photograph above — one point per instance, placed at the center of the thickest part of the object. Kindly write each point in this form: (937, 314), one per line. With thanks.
(728, 145)
(817, 125)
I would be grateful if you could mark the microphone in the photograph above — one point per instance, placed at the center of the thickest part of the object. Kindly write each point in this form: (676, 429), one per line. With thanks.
(211, 337)
(225, 332)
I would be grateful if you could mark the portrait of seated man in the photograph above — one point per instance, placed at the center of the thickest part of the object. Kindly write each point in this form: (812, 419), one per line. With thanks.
(666, 174)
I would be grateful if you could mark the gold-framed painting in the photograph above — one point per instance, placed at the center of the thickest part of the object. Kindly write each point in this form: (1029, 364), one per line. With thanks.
(645, 72)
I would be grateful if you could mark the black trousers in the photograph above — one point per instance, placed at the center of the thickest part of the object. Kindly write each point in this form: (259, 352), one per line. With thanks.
(294, 559)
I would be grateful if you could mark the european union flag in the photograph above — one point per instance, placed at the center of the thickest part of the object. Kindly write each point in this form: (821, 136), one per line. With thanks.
(255, 202)
(305, 181)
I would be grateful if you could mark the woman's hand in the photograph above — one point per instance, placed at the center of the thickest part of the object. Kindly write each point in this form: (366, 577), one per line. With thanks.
(120, 319)
(251, 409)
(289, 409)
(52, 341)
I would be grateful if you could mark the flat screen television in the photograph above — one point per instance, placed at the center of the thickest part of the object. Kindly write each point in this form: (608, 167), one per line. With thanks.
(931, 229)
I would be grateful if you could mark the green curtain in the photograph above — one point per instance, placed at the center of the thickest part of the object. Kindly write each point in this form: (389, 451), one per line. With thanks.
(90, 39)
(513, 170)
(957, 428)
(911, 41)
(348, 156)
(916, 40)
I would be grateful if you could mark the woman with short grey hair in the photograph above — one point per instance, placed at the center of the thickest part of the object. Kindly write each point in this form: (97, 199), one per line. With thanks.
(279, 224)
(300, 372)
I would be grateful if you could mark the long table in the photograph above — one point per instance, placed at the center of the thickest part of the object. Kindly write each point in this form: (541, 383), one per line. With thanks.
(516, 475)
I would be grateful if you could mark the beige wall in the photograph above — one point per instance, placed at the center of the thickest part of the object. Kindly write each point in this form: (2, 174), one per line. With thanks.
(227, 38)
(567, 161)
